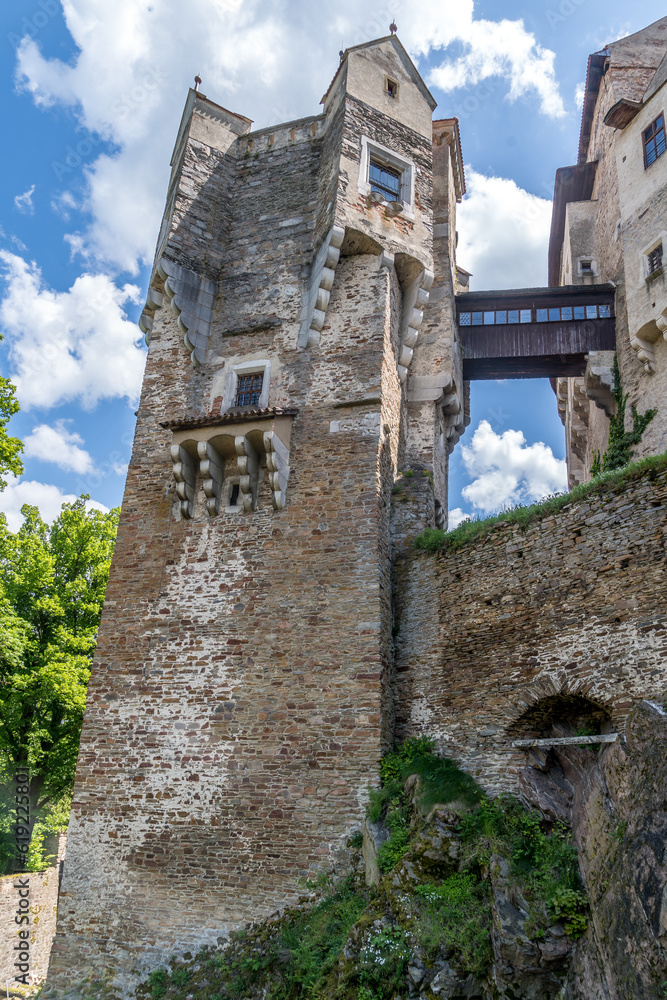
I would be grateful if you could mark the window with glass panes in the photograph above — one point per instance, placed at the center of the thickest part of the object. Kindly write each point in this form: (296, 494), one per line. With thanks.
(555, 314)
(385, 181)
(654, 141)
(249, 389)
(654, 259)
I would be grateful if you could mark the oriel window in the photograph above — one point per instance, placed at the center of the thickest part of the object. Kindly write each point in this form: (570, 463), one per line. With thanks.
(654, 141)
(385, 181)
(249, 389)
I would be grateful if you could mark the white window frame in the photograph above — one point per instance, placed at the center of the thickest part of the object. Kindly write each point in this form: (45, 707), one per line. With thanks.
(645, 273)
(588, 259)
(371, 150)
(262, 367)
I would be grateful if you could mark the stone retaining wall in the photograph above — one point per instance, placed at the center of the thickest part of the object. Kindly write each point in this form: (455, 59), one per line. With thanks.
(573, 605)
(43, 898)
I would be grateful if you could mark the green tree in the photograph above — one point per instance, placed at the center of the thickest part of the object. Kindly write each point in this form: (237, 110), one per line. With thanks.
(52, 585)
(10, 447)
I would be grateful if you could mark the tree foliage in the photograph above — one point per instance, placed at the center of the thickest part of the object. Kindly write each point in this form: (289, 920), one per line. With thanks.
(52, 585)
(10, 447)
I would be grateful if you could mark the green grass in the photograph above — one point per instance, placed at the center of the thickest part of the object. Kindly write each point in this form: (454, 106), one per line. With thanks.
(285, 960)
(434, 540)
(543, 859)
(456, 915)
(441, 782)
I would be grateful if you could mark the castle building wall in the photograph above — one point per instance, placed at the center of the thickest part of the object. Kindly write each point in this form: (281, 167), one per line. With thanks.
(572, 605)
(627, 207)
(643, 224)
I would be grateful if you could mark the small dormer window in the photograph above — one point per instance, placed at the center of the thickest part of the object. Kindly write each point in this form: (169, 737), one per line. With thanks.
(654, 141)
(392, 88)
(249, 389)
(384, 180)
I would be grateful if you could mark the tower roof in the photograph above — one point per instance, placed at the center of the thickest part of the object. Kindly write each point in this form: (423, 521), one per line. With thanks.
(633, 62)
(403, 56)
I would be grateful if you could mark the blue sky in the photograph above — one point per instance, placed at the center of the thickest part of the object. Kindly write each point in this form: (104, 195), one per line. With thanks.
(92, 96)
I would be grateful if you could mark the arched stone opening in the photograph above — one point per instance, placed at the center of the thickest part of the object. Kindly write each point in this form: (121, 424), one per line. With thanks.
(561, 715)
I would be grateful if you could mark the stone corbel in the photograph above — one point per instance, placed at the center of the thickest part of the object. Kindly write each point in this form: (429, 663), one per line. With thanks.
(248, 465)
(320, 283)
(414, 300)
(452, 407)
(185, 476)
(192, 299)
(277, 462)
(645, 353)
(661, 323)
(212, 468)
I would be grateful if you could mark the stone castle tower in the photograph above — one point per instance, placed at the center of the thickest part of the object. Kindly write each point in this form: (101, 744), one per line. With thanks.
(302, 353)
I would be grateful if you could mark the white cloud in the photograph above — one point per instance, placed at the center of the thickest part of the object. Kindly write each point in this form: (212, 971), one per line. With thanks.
(135, 61)
(59, 446)
(506, 471)
(73, 345)
(455, 518)
(64, 204)
(23, 202)
(49, 499)
(504, 233)
(579, 94)
(493, 48)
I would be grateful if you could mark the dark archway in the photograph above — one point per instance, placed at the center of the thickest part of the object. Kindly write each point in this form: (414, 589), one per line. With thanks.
(562, 715)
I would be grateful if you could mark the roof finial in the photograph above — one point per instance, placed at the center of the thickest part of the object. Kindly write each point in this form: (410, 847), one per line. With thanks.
(341, 54)
(393, 27)
(197, 83)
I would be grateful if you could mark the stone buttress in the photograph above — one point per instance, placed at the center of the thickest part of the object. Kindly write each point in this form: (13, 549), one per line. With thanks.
(239, 699)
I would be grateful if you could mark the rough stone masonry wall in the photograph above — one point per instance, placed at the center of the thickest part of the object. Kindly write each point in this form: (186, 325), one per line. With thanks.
(43, 898)
(574, 604)
(233, 721)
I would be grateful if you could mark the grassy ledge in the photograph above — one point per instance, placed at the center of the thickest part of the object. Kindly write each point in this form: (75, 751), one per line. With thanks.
(434, 540)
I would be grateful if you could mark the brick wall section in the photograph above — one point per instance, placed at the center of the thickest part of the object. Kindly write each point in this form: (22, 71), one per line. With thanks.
(43, 898)
(575, 604)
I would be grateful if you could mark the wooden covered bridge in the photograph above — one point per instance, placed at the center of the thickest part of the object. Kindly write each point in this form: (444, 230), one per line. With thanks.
(534, 332)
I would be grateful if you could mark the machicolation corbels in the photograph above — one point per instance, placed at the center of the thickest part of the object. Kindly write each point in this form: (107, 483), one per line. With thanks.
(192, 299)
(318, 293)
(230, 451)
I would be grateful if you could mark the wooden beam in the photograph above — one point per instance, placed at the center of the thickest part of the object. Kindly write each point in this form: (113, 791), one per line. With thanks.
(565, 741)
